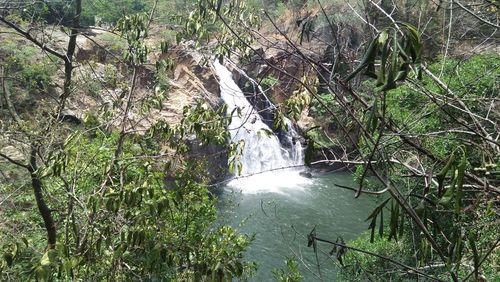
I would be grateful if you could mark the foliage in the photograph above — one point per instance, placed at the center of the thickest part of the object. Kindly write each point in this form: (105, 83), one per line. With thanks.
(134, 29)
(317, 109)
(361, 267)
(107, 12)
(123, 208)
(426, 136)
(289, 273)
(319, 138)
(268, 82)
(299, 101)
(20, 63)
(110, 76)
(399, 49)
(62, 12)
(137, 223)
(226, 22)
(473, 79)
(418, 109)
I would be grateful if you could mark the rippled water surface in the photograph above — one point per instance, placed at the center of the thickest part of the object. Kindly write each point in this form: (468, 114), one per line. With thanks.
(281, 208)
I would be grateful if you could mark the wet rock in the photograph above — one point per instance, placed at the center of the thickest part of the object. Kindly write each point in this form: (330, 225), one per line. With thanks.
(305, 174)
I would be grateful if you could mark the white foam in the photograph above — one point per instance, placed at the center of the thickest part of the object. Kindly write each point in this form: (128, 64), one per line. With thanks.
(279, 181)
(265, 163)
(261, 152)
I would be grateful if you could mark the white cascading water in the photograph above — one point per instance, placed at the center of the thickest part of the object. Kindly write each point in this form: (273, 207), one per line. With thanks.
(263, 157)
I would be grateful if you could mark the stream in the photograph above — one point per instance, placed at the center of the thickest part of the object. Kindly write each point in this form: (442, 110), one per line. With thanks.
(282, 207)
(274, 202)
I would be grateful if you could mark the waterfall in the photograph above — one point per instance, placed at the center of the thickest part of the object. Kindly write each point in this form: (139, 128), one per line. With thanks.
(262, 150)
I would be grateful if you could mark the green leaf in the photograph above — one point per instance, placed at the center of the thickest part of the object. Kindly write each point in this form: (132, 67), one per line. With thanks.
(460, 182)
(45, 261)
(369, 57)
(441, 176)
(394, 221)
(381, 226)
(373, 216)
(476, 259)
(382, 38)
(372, 118)
(448, 195)
(9, 259)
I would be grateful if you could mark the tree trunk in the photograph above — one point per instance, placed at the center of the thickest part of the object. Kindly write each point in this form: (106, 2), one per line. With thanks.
(68, 60)
(6, 94)
(44, 210)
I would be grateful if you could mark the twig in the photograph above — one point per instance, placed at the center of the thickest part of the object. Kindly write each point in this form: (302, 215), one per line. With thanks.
(474, 15)
(6, 93)
(409, 268)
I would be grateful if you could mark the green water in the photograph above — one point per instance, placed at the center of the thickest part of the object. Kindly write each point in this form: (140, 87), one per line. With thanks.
(282, 215)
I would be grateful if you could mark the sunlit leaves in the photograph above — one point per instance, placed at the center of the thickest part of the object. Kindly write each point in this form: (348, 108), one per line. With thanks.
(235, 151)
(301, 98)
(134, 29)
(279, 122)
(228, 23)
(289, 273)
(455, 170)
(299, 101)
(209, 126)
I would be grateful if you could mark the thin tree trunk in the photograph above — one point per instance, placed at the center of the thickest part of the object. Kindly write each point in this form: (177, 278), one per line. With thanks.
(44, 210)
(68, 60)
(6, 94)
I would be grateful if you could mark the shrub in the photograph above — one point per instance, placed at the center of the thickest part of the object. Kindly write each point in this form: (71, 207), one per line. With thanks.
(289, 273)
(363, 267)
(25, 62)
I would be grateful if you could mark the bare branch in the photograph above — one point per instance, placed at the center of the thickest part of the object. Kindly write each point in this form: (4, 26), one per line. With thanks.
(474, 15)
(13, 161)
(28, 36)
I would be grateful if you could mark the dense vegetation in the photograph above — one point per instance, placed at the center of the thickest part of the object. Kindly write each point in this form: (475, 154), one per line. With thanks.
(403, 93)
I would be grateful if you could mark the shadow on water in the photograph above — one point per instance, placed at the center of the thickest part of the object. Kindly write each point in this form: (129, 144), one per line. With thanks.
(281, 212)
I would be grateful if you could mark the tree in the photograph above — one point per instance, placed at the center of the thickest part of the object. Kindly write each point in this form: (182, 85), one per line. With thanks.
(431, 167)
(32, 165)
(101, 191)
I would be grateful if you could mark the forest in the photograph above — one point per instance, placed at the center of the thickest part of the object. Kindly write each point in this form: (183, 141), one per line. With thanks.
(259, 140)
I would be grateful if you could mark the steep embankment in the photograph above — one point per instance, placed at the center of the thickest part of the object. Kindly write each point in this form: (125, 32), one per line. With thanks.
(302, 48)
(101, 83)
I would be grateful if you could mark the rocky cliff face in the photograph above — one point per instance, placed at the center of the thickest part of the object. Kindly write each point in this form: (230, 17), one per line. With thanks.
(102, 81)
(292, 55)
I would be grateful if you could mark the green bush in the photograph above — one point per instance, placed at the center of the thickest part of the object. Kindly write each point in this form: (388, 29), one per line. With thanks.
(364, 267)
(430, 115)
(25, 62)
(110, 75)
(472, 79)
(110, 11)
(319, 138)
(318, 110)
(289, 273)
(161, 234)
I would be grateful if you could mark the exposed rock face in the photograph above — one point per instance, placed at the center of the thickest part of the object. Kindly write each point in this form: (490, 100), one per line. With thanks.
(213, 158)
(282, 64)
(102, 81)
(282, 68)
(99, 46)
(101, 71)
